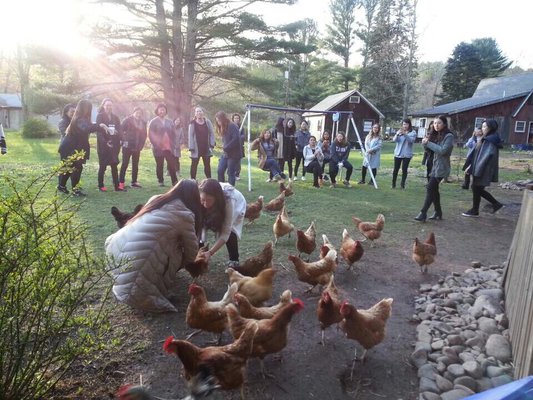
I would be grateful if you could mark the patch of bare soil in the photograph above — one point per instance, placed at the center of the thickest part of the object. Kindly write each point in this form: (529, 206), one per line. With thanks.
(307, 370)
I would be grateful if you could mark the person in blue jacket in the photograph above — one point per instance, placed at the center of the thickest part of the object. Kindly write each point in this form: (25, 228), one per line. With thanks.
(231, 146)
(404, 139)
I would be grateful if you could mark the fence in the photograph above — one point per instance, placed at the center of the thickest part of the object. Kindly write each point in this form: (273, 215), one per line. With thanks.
(518, 286)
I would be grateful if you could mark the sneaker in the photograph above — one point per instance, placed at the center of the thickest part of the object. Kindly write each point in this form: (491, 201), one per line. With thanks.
(136, 185)
(295, 178)
(102, 189)
(277, 177)
(326, 178)
(62, 189)
(333, 185)
(346, 184)
(496, 208)
(78, 193)
(232, 264)
(303, 178)
(119, 189)
(470, 213)
(237, 178)
(161, 184)
(361, 182)
(121, 185)
(268, 180)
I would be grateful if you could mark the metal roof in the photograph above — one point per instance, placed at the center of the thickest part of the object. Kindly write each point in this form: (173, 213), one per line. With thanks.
(332, 101)
(10, 100)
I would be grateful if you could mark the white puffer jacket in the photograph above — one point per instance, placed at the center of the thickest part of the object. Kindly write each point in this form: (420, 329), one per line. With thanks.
(146, 255)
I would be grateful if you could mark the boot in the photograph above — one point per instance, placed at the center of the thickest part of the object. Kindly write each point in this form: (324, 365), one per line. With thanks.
(422, 216)
(437, 215)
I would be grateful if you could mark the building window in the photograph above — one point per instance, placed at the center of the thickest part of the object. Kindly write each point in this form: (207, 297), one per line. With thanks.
(367, 125)
(478, 123)
(530, 129)
(319, 125)
(422, 123)
(520, 126)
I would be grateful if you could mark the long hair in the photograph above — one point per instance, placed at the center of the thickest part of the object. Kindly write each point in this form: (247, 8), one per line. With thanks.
(84, 108)
(214, 218)
(262, 136)
(343, 142)
(446, 130)
(66, 109)
(185, 190)
(101, 108)
(289, 131)
(371, 133)
(222, 126)
(280, 125)
(408, 121)
(492, 124)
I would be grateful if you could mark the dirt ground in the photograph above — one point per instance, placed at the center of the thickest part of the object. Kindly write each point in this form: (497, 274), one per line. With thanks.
(307, 370)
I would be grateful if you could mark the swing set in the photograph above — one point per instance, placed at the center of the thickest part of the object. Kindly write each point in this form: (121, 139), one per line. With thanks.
(335, 116)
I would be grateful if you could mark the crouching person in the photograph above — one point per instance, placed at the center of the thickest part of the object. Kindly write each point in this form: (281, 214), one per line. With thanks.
(267, 148)
(153, 246)
(313, 159)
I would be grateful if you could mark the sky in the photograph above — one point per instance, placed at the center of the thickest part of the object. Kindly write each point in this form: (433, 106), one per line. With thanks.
(442, 24)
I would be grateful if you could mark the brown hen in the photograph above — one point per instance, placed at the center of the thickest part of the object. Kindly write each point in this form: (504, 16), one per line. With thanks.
(276, 204)
(282, 226)
(200, 265)
(351, 250)
(370, 230)
(286, 189)
(328, 309)
(255, 264)
(315, 273)
(247, 310)
(306, 241)
(257, 289)
(424, 253)
(253, 210)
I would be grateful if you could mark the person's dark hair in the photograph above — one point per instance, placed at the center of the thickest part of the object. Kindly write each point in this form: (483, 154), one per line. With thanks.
(66, 110)
(214, 218)
(343, 142)
(84, 109)
(492, 124)
(289, 130)
(159, 106)
(137, 109)
(408, 121)
(280, 127)
(236, 115)
(185, 190)
(101, 108)
(222, 126)
(262, 136)
(446, 130)
(432, 134)
(329, 136)
(371, 133)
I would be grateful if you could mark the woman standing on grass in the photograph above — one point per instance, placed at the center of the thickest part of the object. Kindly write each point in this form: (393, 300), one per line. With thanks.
(484, 167)
(77, 140)
(108, 145)
(442, 150)
(289, 144)
(162, 135)
(133, 139)
(302, 137)
(201, 142)
(373, 144)
(231, 147)
(405, 139)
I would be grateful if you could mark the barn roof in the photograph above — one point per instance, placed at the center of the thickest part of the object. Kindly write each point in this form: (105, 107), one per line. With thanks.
(489, 91)
(332, 101)
(10, 100)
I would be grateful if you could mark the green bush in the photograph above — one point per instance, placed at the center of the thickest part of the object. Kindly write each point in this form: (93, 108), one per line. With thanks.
(51, 301)
(35, 128)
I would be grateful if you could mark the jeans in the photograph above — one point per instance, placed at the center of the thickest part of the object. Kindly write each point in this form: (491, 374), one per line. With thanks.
(167, 156)
(432, 196)
(334, 170)
(114, 174)
(315, 168)
(272, 165)
(477, 193)
(126, 154)
(363, 173)
(233, 247)
(207, 166)
(229, 164)
(404, 162)
(299, 159)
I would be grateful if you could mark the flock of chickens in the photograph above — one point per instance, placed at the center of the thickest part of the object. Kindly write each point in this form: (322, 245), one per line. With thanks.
(259, 330)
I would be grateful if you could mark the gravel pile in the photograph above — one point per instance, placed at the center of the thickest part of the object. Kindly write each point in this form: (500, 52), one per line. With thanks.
(462, 338)
(518, 185)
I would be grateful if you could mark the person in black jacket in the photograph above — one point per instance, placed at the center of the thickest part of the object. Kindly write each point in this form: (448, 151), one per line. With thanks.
(108, 144)
(133, 139)
(236, 119)
(484, 167)
(66, 117)
(231, 145)
(340, 151)
(3, 144)
(77, 140)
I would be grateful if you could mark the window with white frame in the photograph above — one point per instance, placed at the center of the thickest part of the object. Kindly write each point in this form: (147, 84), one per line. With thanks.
(478, 123)
(530, 128)
(520, 126)
(367, 125)
(422, 123)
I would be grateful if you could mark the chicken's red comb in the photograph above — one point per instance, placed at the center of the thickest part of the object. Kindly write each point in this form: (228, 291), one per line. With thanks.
(123, 390)
(193, 286)
(166, 346)
(299, 302)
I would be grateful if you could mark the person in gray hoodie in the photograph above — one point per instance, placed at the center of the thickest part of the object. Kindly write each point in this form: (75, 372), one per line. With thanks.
(484, 167)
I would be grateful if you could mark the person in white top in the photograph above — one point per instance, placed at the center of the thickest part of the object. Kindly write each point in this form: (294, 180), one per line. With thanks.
(404, 139)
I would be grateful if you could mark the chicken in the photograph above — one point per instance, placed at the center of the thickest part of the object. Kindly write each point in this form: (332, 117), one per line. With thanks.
(226, 363)
(424, 253)
(306, 241)
(257, 289)
(315, 273)
(286, 189)
(276, 204)
(206, 315)
(122, 217)
(270, 335)
(351, 250)
(328, 309)
(282, 226)
(370, 230)
(253, 210)
(365, 326)
(200, 265)
(326, 247)
(249, 311)
(255, 264)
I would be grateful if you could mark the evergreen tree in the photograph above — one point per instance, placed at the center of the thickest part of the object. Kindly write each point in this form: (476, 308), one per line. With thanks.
(494, 63)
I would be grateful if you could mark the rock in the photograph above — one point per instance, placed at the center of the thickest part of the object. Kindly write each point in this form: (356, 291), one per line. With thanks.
(483, 384)
(419, 357)
(423, 346)
(494, 371)
(501, 380)
(499, 347)
(444, 359)
(424, 316)
(473, 369)
(466, 356)
(425, 287)
(443, 384)
(441, 367)
(476, 264)
(464, 388)
(454, 394)
(488, 303)
(456, 370)
(468, 334)
(455, 340)
(424, 337)
(458, 297)
(451, 354)
(488, 325)
(444, 328)
(437, 345)
(428, 385)
(475, 342)
(466, 381)
(495, 293)
(427, 371)
(430, 396)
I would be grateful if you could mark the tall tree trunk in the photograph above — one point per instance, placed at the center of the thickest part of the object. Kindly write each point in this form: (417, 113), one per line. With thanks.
(410, 62)
(177, 66)
(164, 57)
(190, 54)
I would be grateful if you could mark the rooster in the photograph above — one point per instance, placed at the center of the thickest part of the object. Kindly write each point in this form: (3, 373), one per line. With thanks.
(122, 217)
(200, 265)
(328, 310)
(253, 210)
(351, 250)
(276, 204)
(282, 226)
(306, 241)
(315, 273)
(370, 230)
(247, 310)
(226, 363)
(365, 326)
(206, 315)
(424, 253)
(286, 189)
(255, 264)
(257, 289)
(270, 334)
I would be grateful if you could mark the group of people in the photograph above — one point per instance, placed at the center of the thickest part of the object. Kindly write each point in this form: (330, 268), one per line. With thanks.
(166, 136)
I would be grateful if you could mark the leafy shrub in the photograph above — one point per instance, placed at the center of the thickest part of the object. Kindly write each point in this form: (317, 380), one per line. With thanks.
(51, 300)
(35, 128)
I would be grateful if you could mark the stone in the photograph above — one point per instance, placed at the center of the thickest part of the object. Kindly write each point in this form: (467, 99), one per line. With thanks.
(424, 337)
(466, 381)
(488, 303)
(424, 316)
(427, 371)
(428, 385)
(499, 347)
(464, 388)
(466, 357)
(501, 380)
(444, 328)
(430, 396)
(488, 325)
(483, 384)
(476, 264)
(468, 334)
(455, 340)
(454, 394)
(437, 345)
(458, 297)
(423, 346)
(418, 357)
(456, 370)
(441, 367)
(475, 342)
(425, 287)
(444, 359)
(494, 371)
(443, 384)
(473, 369)
(451, 354)
(495, 293)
